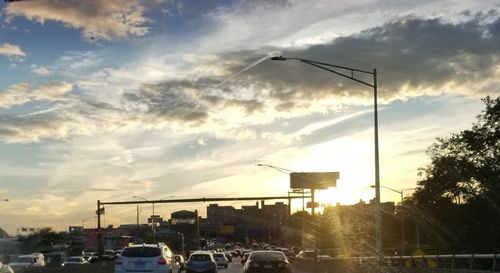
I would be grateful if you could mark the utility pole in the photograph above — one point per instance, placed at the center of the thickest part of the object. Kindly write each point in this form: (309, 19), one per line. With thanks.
(137, 220)
(99, 241)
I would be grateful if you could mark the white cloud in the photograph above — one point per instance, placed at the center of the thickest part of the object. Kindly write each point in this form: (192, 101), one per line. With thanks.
(21, 93)
(40, 70)
(11, 50)
(97, 19)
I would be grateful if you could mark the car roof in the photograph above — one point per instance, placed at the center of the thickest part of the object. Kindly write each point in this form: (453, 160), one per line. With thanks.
(147, 245)
(267, 251)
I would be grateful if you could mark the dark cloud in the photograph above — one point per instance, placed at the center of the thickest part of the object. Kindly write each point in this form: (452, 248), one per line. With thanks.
(171, 101)
(250, 106)
(410, 54)
(31, 128)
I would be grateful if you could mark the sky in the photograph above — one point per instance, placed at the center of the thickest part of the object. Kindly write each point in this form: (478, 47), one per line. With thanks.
(106, 100)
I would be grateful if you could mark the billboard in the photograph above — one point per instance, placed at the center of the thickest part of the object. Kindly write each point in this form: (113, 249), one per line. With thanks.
(314, 180)
(183, 221)
(310, 205)
(226, 229)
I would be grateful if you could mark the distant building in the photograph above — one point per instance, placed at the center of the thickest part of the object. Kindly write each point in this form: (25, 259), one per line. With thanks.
(186, 223)
(227, 224)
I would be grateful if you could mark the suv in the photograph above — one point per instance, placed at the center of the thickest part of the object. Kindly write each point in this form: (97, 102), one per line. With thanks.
(155, 258)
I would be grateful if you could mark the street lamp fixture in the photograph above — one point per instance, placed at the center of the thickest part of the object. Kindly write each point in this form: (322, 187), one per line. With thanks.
(352, 72)
(83, 221)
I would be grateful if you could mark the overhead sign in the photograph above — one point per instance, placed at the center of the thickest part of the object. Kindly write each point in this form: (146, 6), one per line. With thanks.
(314, 180)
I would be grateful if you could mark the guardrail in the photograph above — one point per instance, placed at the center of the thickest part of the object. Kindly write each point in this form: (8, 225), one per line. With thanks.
(470, 263)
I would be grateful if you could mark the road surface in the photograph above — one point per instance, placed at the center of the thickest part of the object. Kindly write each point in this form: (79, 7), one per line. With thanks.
(237, 267)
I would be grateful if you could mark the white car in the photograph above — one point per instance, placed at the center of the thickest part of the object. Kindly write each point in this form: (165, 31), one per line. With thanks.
(23, 262)
(154, 258)
(221, 259)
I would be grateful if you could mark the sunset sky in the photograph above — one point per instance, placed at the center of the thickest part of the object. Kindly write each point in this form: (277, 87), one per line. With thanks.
(113, 99)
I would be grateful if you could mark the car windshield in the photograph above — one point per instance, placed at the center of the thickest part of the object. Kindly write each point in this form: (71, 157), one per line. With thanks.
(266, 256)
(199, 258)
(141, 252)
(354, 128)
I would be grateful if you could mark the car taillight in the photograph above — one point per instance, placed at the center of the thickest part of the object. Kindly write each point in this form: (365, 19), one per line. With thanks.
(118, 261)
(162, 261)
(254, 264)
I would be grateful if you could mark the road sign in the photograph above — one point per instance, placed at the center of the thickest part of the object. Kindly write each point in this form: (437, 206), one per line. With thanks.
(314, 180)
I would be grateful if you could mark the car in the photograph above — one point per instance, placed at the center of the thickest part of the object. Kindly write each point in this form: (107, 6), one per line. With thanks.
(75, 261)
(201, 261)
(180, 260)
(324, 259)
(40, 258)
(267, 261)
(24, 262)
(221, 260)
(306, 256)
(5, 268)
(244, 251)
(228, 256)
(154, 258)
(245, 257)
(109, 255)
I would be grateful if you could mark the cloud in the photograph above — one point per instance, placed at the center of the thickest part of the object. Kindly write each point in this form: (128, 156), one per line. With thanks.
(35, 128)
(413, 57)
(11, 50)
(97, 19)
(173, 101)
(40, 70)
(21, 93)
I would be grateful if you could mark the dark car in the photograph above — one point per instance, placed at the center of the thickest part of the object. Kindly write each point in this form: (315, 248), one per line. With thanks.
(267, 261)
(180, 259)
(244, 258)
(201, 261)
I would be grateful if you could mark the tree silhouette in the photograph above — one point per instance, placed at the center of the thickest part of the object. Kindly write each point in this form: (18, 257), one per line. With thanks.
(458, 198)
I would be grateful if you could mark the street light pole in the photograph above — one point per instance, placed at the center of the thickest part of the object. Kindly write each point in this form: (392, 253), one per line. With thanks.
(401, 217)
(182, 241)
(152, 218)
(351, 76)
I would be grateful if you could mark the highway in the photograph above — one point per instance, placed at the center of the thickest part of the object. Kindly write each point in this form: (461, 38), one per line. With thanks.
(237, 267)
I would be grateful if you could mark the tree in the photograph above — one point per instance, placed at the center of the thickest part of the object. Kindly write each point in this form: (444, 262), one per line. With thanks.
(460, 189)
(3, 234)
(41, 240)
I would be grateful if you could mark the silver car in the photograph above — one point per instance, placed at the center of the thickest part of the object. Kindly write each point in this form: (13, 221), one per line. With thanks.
(201, 261)
(221, 259)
